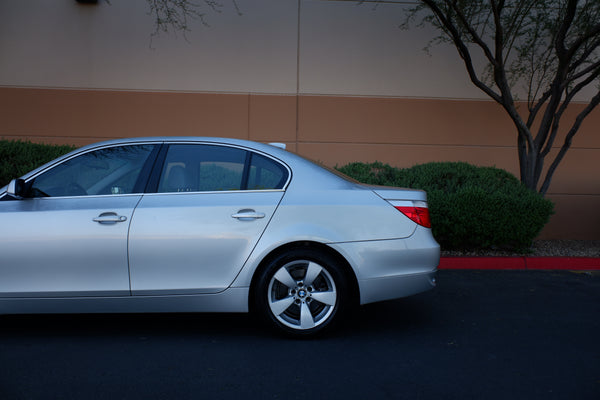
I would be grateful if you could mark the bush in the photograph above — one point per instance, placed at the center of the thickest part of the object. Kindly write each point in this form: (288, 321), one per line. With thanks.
(471, 207)
(19, 157)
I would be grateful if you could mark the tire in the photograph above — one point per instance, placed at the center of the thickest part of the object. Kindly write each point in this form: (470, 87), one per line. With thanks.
(302, 292)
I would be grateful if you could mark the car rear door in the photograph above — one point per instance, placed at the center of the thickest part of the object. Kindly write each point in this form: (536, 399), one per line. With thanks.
(212, 204)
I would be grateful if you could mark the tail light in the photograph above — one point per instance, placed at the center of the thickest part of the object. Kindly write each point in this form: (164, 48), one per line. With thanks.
(417, 211)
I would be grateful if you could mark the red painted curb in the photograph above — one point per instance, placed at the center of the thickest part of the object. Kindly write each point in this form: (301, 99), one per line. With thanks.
(571, 263)
(482, 263)
(515, 263)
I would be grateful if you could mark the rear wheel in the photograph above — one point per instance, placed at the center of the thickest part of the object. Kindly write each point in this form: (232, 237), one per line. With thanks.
(302, 292)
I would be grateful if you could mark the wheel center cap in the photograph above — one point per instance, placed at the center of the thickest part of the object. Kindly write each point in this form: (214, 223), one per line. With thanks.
(302, 293)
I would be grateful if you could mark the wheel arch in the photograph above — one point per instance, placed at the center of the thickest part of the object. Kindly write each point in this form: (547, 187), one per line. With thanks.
(306, 244)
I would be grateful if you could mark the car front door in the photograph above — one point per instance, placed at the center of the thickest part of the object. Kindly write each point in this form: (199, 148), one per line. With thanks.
(212, 204)
(68, 237)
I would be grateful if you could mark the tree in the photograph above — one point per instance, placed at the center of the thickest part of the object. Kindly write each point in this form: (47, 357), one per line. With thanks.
(173, 15)
(549, 47)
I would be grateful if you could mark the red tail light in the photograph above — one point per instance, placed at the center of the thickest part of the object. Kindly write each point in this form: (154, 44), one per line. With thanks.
(420, 215)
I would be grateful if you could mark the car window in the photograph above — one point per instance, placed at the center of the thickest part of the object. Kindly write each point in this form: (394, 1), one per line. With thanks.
(197, 168)
(113, 170)
(204, 168)
(265, 173)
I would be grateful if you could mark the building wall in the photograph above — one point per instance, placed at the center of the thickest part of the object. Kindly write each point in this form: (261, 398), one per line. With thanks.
(336, 81)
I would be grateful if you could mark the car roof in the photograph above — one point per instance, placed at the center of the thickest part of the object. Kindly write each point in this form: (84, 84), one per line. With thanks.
(197, 139)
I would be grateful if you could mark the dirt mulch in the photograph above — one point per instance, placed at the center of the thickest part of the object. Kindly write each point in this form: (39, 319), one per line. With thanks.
(540, 248)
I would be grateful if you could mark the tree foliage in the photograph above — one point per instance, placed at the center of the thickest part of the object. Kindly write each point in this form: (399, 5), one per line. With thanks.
(550, 48)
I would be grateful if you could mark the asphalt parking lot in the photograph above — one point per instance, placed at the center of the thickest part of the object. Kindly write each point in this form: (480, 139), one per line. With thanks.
(479, 335)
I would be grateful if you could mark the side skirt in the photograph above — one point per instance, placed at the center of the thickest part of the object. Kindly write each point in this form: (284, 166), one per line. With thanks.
(230, 300)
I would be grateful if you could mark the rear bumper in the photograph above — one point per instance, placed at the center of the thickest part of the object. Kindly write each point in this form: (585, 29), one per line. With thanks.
(393, 287)
(390, 269)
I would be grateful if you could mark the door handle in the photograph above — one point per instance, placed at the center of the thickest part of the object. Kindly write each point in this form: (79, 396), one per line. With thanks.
(109, 218)
(247, 215)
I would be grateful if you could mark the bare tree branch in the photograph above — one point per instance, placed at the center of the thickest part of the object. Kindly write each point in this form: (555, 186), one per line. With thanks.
(550, 47)
(462, 49)
(174, 16)
(568, 141)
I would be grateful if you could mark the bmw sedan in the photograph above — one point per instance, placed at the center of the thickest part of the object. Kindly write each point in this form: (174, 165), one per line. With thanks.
(208, 225)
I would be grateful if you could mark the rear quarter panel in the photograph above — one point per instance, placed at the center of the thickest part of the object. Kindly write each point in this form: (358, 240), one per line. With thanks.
(341, 215)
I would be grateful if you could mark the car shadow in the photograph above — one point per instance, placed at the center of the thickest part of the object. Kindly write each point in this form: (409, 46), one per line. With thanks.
(159, 324)
(396, 315)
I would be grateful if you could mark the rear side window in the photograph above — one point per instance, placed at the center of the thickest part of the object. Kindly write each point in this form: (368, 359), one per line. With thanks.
(265, 174)
(209, 168)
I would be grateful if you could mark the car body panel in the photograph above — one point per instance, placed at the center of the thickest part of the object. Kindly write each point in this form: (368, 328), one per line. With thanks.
(339, 216)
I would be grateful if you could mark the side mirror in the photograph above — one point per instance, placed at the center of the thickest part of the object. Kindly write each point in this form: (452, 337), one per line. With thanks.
(16, 188)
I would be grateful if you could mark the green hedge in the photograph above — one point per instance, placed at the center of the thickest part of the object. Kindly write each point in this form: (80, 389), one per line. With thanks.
(20, 157)
(471, 207)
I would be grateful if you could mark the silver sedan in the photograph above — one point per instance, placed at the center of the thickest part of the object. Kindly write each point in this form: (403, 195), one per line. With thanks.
(208, 225)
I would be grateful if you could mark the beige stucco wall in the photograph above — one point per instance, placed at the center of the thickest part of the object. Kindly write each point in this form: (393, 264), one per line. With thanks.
(333, 129)
(337, 81)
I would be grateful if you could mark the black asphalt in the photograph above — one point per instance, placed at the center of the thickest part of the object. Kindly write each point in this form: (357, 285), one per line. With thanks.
(479, 335)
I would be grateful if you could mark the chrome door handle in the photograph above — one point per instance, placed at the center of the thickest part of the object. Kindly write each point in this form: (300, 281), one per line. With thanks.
(247, 215)
(109, 218)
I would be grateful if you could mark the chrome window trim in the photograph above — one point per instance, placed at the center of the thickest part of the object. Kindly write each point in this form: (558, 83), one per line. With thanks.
(215, 192)
(94, 196)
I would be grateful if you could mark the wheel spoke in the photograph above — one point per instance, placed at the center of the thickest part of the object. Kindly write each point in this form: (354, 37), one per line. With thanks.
(284, 277)
(306, 318)
(278, 307)
(328, 298)
(312, 272)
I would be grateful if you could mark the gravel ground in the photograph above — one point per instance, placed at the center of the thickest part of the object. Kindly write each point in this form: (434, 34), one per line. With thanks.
(542, 248)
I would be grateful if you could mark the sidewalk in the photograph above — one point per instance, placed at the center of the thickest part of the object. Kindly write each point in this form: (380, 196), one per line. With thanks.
(524, 263)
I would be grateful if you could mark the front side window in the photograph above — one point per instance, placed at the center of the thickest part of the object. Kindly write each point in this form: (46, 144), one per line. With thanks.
(209, 168)
(113, 170)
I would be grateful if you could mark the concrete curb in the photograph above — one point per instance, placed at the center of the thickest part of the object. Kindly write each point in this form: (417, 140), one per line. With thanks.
(523, 263)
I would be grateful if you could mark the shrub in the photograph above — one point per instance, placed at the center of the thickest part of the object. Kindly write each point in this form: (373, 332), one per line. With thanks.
(19, 157)
(471, 207)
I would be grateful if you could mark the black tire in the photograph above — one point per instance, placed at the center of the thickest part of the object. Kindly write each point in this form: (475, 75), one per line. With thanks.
(302, 292)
